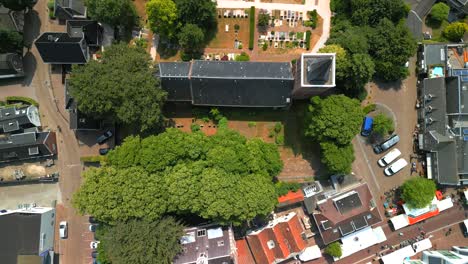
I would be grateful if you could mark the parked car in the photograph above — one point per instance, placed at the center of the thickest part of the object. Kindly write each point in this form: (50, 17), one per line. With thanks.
(93, 227)
(104, 151)
(387, 144)
(94, 244)
(367, 126)
(63, 229)
(395, 167)
(389, 157)
(94, 254)
(104, 137)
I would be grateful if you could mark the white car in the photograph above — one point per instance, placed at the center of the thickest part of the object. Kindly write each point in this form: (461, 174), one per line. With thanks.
(94, 244)
(63, 229)
(395, 167)
(389, 158)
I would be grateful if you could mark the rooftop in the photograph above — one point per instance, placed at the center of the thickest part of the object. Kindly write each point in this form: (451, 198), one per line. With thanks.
(59, 47)
(11, 65)
(318, 70)
(13, 119)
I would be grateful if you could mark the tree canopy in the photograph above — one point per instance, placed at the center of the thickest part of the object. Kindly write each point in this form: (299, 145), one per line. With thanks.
(191, 37)
(225, 177)
(198, 12)
(455, 31)
(383, 124)
(121, 87)
(12, 41)
(362, 69)
(113, 12)
(334, 250)
(440, 12)
(370, 12)
(342, 61)
(162, 17)
(141, 242)
(418, 192)
(18, 5)
(337, 159)
(336, 118)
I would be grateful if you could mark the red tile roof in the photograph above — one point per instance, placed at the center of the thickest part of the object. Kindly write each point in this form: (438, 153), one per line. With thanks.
(244, 256)
(287, 239)
(291, 197)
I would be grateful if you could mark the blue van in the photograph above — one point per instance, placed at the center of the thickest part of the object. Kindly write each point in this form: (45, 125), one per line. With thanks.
(367, 126)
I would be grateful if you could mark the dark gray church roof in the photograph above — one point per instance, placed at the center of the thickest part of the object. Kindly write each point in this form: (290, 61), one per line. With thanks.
(318, 70)
(242, 70)
(60, 48)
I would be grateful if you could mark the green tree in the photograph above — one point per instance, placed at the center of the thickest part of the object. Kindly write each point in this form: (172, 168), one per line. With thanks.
(120, 87)
(336, 118)
(113, 12)
(162, 17)
(199, 12)
(391, 46)
(242, 57)
(361, 71)
(18, 5)
(191, 37)
(334, 249)
(343, 63)
(282, 188)
(418, 192)
(455, 31)
(263, 21)
(383, 124)
(351, 38)
(142, 242)
(370, 12)
(337, 159)
(12, 41)
(180, 172)
(440, 12)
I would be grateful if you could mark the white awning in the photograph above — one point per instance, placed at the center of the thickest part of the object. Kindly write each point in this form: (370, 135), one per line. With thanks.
(310, 253)
(399, 221)
(444, 204)
(360, 240)
(398, 256)
(422, 245)
(466, 224)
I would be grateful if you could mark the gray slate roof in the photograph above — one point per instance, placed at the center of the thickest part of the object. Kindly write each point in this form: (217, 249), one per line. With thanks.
(241, 70)
(435, 54)
(60, 48)
(28, 145)
(13, 119)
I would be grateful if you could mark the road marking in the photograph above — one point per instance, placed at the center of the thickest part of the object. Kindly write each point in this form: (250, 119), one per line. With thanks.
(368, 163)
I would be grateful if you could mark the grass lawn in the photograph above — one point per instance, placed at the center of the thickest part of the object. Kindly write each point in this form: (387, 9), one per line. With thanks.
(437, 30)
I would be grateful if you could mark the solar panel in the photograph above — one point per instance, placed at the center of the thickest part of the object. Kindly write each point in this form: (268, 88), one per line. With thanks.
(459, 72)
(464, 78)
(456, 72)
(359, 222)
(346, 228)
(465, 138)
(465, 131)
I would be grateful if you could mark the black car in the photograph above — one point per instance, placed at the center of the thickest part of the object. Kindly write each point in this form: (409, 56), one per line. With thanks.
(104, 137)
(386, 145)
(104, 151)
(94, 254)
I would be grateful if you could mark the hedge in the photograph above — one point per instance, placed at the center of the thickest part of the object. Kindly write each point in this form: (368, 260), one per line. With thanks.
(308, 39)
(21, 99)
(252, 28)
(93, 159)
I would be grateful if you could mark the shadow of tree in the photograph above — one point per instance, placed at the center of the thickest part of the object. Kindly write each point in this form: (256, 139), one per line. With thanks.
(32, 26)
(30, 65)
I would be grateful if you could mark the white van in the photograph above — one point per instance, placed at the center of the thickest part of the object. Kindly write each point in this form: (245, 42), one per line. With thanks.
(389, 158)
(395, 167)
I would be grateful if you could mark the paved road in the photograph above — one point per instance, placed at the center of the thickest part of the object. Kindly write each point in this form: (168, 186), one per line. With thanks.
(322, 7)
(38, 85)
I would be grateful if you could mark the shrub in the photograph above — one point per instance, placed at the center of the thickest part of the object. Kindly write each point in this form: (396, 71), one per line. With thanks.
(455, 31)
(242, 57)
(223, 123)
(236, 27)
(383, 124)
(440, 12)
(50, 5)
(194, 127)
(240, 46)
(206, 119)
(308, 39)
(252, 124)
(265, 46)
(334, 250)
(300, 35)
(252, 27)
(216, 114)
(278, 127)
(369, 108)
(282, 188)
(293, 61)
(21, 99)
(279, 140)
(271, 133)
(93, 159)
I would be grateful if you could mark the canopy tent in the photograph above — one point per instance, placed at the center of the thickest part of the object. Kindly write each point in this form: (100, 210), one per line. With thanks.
(444, 204)
(399, 221)
(310, 253)
(400, 255)
(360, 240)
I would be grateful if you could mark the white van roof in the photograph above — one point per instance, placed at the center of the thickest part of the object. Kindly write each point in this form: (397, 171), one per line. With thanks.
(399, 164)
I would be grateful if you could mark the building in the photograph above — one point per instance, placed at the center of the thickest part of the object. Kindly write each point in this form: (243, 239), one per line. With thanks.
(210, 244)
(459, 5)
(11, 20)
(342, 213)
(28, 145)
(17, 119)
(78, 120)
(282, 239)
(73, 46)
(69, 9)
(27, 236)
(458, 255)
(315, 73)
(443, 132)
(11, 65)
(228, 83)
